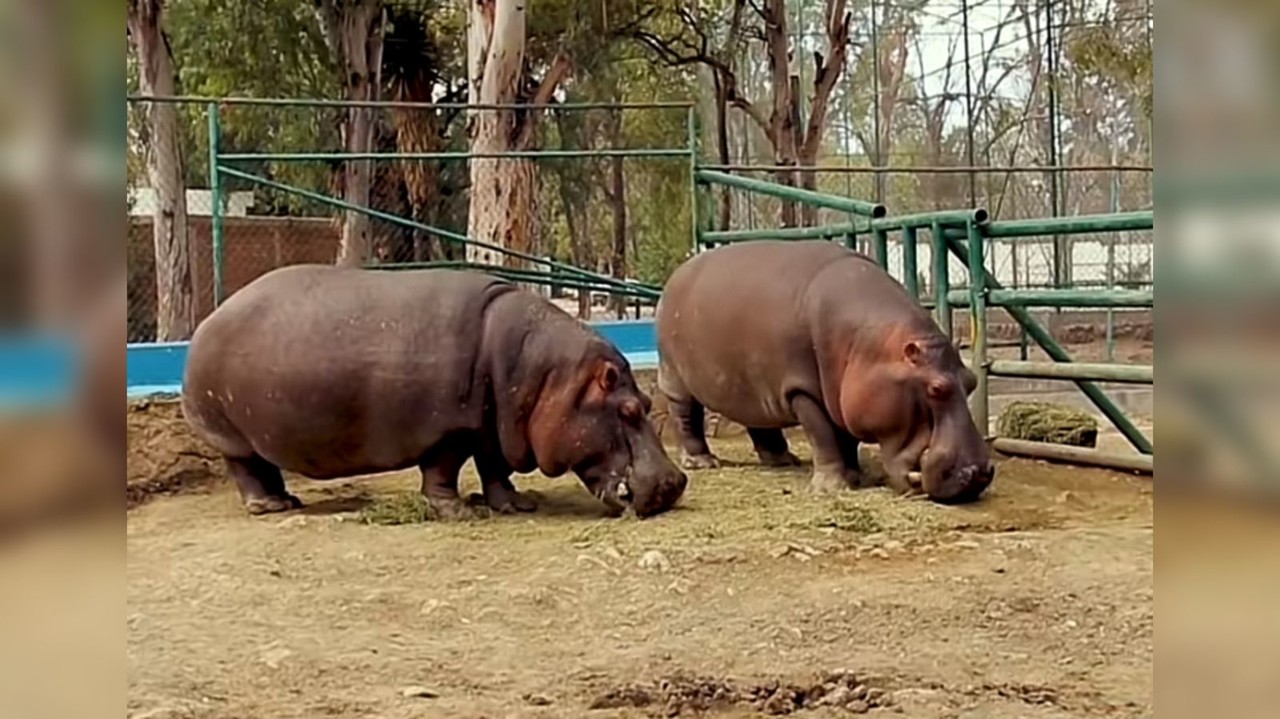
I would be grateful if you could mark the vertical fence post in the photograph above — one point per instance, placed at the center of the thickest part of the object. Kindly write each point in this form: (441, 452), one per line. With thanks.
(978, 327)
(910, 271)
(215, 196)
(880, 241)
(941, 279)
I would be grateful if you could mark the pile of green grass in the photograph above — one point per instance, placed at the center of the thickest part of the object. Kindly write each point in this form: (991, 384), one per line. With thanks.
(1047, 422)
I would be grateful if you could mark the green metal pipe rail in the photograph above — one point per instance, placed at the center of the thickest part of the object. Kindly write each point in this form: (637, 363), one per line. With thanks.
(795, 194)
(1060, 298)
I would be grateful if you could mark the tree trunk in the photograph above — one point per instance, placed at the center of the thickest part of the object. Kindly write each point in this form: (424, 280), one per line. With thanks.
(725, 211)
(618, 207)
(158, 76)
(359, 42)
(575, 199)
(416, 131)
(782, 120)
(503, 191)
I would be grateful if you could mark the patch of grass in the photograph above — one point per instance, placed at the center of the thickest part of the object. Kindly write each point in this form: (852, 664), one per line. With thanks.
(851, 518)
(396, 509)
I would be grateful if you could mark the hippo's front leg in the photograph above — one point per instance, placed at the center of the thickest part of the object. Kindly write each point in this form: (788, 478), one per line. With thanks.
(440, 470)
(499, 493)
(831, 467)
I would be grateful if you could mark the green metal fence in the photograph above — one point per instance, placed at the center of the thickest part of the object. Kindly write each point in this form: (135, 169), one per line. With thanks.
(962, 234)
(555, 273)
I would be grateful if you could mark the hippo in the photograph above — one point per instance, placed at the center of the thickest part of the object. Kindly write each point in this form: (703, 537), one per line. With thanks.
(774, 334)
(335, 372)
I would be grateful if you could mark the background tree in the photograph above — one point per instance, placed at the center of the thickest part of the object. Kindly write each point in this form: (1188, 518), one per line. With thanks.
(794, 141)
(504, 190)
(353, 31)
(158, 76)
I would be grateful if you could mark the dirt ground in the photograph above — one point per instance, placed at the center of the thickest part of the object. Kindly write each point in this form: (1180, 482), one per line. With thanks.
(752, 598)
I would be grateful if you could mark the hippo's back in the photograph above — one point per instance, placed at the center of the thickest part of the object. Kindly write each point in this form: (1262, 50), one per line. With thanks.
(331, 371)
(732, 327)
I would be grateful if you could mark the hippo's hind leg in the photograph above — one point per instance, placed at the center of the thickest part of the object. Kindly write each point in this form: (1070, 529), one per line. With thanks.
(771, 447)
(261, 485)
(499, 493)
(831, 468)
(691, 420)
(691, 426)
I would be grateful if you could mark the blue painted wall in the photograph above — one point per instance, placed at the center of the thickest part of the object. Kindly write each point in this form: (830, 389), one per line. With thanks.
(40, 371)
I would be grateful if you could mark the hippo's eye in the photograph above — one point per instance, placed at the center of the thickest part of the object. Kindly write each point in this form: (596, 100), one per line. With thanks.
(939, 389)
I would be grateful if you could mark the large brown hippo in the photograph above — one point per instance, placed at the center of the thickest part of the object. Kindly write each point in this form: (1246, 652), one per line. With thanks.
(772, 334)
(332, 372)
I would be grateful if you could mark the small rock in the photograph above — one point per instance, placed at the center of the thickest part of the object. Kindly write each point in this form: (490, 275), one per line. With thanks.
(780, 702)
(875, 696)
(431, 605)
(299, 520)
(836, 697)
(893, 545)
(860, 692)
(858, 706)
(654, 559)
(537, 700)
(274, 657)
(879, 553)
(416, 692)
(965, 544)
(998, 570)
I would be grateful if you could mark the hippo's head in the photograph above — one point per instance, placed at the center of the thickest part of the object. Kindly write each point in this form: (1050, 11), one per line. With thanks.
(955, 465)
(917, 405)
(597, 424)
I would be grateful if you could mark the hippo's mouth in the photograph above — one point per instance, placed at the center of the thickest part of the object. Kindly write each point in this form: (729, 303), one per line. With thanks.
(612, 489)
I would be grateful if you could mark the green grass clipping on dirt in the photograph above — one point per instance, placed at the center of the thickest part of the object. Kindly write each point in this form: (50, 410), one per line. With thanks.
(396, 509)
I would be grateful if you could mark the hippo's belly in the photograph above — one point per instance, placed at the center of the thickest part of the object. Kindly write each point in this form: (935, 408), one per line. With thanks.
(749, 398)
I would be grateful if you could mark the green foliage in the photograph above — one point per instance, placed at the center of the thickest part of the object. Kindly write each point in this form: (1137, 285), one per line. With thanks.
(1103, 52)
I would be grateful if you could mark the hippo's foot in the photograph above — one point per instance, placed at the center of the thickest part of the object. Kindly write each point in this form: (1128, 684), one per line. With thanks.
(272, 504)
(778, 459)
(830, 479)
(698, 461)
(508, 502)
(453, 509)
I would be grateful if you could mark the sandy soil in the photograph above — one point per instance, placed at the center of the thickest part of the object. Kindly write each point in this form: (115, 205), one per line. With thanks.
(751, 598)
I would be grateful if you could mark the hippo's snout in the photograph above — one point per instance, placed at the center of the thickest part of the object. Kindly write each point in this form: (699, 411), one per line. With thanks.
(962, 484)
(659, 494)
